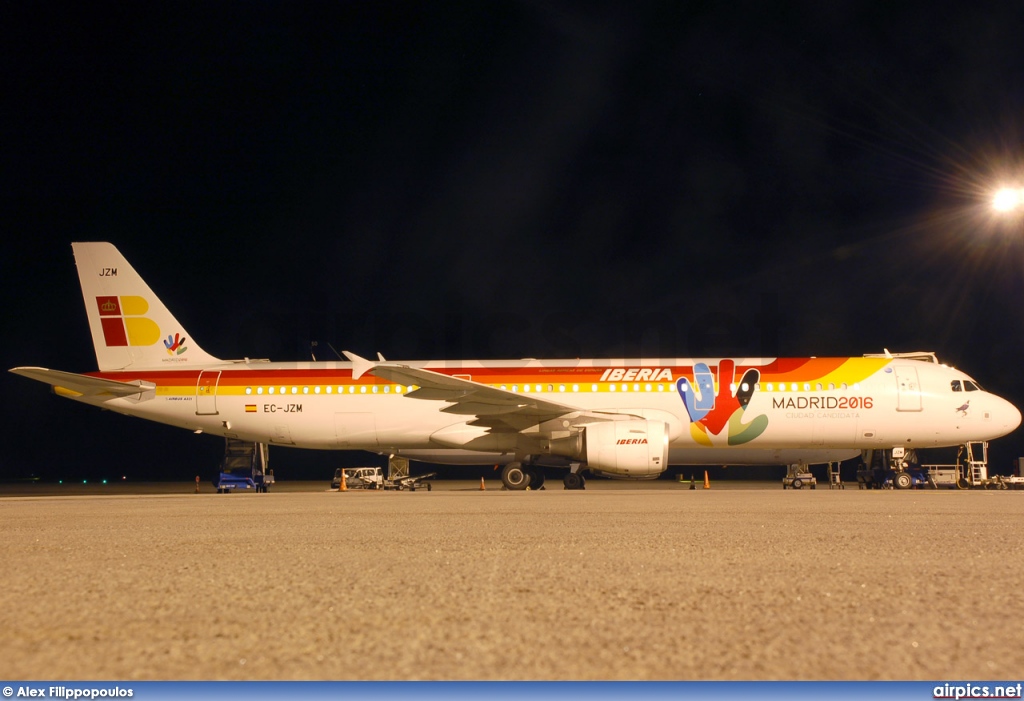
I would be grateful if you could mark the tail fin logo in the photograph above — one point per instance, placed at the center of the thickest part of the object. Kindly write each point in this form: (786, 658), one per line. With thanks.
(175, 345)
(124, 324)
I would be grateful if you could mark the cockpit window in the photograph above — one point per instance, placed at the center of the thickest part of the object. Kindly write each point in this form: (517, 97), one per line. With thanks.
(955, 384)
(970, 386)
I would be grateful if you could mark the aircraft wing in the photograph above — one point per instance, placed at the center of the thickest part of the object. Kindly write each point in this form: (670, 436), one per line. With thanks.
(497, 409)
(82, 385)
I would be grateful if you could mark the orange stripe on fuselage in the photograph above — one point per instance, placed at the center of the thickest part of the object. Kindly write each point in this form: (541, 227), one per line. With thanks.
(835, 370)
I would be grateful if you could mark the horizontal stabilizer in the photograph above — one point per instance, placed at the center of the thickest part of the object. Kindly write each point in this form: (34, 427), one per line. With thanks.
(83, 384)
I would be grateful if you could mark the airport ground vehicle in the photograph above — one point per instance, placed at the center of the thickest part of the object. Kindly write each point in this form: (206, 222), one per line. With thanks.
(244, 466)
(373, 478)
(901, 468)
(888, 478)
(227, 482)
(357, 477)
(799, 480)
(895, 469)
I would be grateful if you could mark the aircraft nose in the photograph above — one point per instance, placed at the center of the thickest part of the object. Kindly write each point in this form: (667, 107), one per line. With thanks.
(1009, 414)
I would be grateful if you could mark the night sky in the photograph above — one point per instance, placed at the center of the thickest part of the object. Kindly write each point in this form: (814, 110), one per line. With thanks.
(496, 180)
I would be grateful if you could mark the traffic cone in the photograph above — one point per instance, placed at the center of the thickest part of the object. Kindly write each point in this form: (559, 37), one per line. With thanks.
(482, 487)
(343, 486)
(707, 484)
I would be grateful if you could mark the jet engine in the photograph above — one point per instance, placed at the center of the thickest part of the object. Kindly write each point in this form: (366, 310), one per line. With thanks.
(635, 448)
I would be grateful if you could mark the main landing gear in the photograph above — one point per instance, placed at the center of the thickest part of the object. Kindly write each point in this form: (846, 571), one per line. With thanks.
(574, 480)
(517, 476)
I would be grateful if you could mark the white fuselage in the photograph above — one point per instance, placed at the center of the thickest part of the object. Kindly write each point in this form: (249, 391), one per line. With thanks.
(809, 410)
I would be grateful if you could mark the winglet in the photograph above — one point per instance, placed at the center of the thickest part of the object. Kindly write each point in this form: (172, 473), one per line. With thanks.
(360, 366)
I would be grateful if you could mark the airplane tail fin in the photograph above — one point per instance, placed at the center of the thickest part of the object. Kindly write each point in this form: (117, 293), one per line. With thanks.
(131, 327)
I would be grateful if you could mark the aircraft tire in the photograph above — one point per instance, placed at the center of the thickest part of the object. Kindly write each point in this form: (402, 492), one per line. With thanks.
(573, 480)
(536, 478)
(514, 477)
(902, 481)
(798, 483)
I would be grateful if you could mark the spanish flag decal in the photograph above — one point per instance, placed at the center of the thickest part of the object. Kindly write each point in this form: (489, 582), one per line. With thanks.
(250, 408)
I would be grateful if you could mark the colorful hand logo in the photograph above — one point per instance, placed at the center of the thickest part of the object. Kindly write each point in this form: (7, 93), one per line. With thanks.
(710, 413)
(175, 345)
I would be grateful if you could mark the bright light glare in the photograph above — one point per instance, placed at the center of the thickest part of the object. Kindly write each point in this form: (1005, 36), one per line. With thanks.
(1007, 199)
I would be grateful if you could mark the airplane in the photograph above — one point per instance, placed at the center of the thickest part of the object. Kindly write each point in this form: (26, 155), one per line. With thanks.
(620, 418)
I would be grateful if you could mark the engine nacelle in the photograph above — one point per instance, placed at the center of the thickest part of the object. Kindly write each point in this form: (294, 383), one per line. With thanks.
(632, 448)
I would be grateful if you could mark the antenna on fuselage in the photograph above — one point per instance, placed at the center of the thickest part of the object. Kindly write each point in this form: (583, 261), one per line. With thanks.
(315, 344)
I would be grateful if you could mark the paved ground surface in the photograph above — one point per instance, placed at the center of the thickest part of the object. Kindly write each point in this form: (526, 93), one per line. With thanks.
(649, 582)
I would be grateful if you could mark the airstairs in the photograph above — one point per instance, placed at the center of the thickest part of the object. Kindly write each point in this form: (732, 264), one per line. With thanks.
(245, 465)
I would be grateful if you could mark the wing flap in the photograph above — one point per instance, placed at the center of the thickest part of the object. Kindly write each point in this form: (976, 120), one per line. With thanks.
(471, 408)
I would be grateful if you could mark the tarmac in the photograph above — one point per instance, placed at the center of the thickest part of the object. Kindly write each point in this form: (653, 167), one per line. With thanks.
(646, 581)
